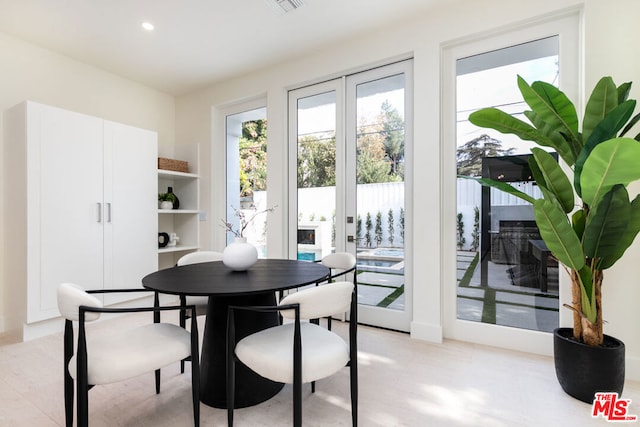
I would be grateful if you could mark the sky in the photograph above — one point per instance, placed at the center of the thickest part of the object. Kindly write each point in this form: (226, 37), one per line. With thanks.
(494, 87)
(322, 118)
(498, 87)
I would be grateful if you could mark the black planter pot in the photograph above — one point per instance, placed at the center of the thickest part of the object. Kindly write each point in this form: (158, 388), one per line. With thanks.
(583, 370)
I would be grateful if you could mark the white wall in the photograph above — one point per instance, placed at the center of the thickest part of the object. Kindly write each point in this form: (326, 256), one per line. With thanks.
(605, 25)
(32, 73)
(610, 26)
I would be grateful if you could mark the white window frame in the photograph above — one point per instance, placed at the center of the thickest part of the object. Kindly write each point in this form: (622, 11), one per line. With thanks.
(567, 27)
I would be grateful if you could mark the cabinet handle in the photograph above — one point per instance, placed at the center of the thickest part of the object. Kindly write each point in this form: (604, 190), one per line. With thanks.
(99, 211)
(108, 212)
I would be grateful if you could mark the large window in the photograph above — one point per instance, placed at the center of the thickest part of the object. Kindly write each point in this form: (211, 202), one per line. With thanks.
(506, 275)
(247, 175)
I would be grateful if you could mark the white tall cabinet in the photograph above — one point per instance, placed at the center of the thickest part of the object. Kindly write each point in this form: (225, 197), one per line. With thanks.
(80, 206)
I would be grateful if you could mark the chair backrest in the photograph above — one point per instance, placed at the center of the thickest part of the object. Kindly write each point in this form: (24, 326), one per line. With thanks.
(339, 260)
(198, 257)
(71, 297)
(320, 301)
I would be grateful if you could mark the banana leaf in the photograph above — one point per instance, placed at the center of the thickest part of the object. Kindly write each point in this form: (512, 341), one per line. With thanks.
(493, 118)
(538, 176)
(578, 221)
(611, 162)
(566, 150)
(607, 223)
(629, 125)
(553, 107)
(555, 180)
(605, 130)
(558, 234)
(503, 186)
(633, 227)
(603, 99)
(623, 92)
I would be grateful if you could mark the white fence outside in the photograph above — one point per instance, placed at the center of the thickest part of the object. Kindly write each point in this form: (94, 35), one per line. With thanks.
(318, 205)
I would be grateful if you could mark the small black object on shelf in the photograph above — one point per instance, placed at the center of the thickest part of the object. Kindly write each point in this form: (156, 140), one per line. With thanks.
(176, 203)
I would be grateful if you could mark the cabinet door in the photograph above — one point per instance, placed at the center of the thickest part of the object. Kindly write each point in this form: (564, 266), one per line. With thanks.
(131, 201)
(65, 240)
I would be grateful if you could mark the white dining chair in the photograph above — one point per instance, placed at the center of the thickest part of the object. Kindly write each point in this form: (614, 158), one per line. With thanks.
(200, 302)
(113, 355)
(298, 352)
(340, 264)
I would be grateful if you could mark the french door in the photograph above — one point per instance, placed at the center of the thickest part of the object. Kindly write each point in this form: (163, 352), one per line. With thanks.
(350, 145)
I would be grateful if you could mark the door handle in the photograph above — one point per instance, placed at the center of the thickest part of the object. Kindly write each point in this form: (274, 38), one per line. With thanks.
(99, 211)
(108, 212)
(350, 239)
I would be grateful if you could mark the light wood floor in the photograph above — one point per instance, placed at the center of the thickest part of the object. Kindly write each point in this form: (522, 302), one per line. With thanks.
(403, 382)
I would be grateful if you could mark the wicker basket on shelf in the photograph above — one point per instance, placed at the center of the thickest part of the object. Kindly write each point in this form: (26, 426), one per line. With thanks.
(173, 165)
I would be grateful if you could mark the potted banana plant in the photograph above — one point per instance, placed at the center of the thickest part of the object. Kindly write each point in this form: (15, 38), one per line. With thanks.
(588, 220)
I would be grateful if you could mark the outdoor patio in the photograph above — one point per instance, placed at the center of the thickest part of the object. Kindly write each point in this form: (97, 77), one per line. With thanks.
(502, 302)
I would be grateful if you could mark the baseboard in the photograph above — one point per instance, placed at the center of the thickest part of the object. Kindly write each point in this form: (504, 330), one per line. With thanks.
(632, 368)
(32, 331)
(426, 332)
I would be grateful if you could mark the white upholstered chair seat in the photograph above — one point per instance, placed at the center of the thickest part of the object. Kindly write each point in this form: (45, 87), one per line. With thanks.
(281, 355)
(269, 352)
(113, 357)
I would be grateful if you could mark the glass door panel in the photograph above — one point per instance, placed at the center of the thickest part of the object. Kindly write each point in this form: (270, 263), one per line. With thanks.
(350, 141)
(247, 175)
(380, 191)
(506, 275)
(378, 142)
(316, 175)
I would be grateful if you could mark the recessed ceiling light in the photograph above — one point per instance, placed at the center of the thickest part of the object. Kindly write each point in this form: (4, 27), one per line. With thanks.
(148, 26)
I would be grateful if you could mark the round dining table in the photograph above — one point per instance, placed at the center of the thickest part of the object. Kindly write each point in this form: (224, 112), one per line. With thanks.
(256, 286)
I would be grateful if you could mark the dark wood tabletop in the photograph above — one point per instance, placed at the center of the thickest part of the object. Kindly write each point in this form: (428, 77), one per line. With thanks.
(214, 278)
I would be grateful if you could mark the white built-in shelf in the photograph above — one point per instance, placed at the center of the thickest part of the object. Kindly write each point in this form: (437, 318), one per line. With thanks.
(185, 221)
(178, 211)
(177, 248)
(166, 174)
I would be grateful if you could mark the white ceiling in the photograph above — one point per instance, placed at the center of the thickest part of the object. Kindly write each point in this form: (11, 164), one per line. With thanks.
(195, 42)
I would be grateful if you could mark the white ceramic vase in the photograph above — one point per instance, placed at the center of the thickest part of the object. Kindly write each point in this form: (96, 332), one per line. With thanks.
(239, 255)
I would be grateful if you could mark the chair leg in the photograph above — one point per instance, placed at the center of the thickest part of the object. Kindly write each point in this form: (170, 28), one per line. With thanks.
(68, 399)
(231, 390)
(297, 404)
(195, 390)
(313, 386)
(195, 370)
(68, 380)
(353, 371)
(157, 381)
(83, 403)
(183, 323)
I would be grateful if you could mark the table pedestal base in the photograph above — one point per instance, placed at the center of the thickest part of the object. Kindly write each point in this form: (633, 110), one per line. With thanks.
(251, 388)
